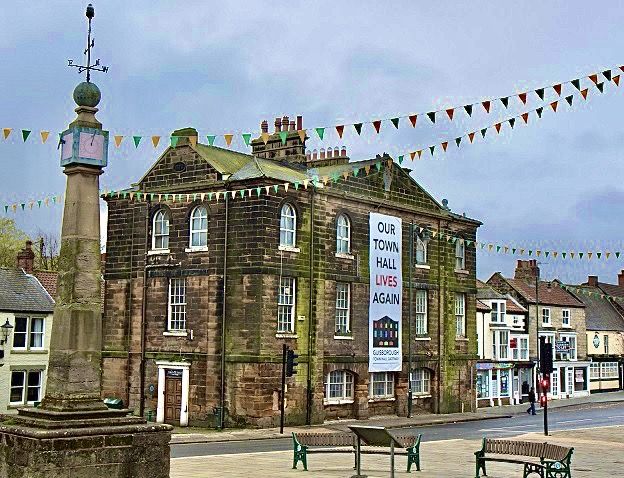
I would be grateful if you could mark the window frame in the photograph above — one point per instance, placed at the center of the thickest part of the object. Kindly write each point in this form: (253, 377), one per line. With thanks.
(546, 313)
(594, 370)
(565, 323)
(164, 213)
(25, 387)
(503, 347)
(29, 333)
(460, 255)
(422, 312)
(346, 310)
(284, 229)
(420, 245)
(612, 367)
(346, 383)
(605, 341)
(200, 231)
(460, 312)
(282, 306)
(343, 239)
(387, 381)
(420, 378)
(179, 304)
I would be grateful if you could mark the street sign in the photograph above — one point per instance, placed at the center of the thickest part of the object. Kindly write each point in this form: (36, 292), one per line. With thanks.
(562, 346)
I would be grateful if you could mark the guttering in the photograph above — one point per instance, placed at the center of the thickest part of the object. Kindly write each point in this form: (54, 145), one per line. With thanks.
(143, 312)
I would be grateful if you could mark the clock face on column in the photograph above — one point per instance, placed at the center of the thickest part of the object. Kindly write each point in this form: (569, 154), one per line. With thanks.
(91, 145)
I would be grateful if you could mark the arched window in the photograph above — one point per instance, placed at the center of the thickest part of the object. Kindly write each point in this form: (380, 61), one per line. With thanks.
(421, 381)
(199, 227)
(460, 255)
(343, 235)
(160, 236)
(288, 225)
(339, 386)
(421, 251)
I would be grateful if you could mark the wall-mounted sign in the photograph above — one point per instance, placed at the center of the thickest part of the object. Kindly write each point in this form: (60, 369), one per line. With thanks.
(562, 346)
(596, 341)
(513, 343)
(173, 372)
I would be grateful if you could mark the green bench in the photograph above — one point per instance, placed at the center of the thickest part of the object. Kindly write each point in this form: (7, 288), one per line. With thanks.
(554, 460)
(346, 442)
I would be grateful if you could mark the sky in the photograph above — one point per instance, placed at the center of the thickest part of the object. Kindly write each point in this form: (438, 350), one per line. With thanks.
(554, 184)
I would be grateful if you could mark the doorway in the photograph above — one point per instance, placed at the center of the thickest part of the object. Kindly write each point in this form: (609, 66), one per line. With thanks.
(173, 395)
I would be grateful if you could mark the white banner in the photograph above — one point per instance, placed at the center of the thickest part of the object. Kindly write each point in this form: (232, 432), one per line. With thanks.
(386, 290)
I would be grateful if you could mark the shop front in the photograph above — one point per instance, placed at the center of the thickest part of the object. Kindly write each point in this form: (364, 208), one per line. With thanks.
(569, 380)
(503, 383)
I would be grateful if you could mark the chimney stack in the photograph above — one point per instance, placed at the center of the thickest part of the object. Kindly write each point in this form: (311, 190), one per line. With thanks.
(621, 278)
(299, 122)
(336, 152)
(592, 281)
(527, 270)
(308, 155)
(329, 153)
(314, 154)
(26, 258)
(278, 125)
(322, 153)
(343, 152)
(292, 126)
(285, 123)
(264, 126)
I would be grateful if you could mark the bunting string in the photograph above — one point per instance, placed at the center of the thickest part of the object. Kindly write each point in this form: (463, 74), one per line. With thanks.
(244, 137)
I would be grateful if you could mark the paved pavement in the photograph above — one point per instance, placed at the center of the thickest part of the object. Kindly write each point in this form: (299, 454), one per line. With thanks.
(198, 435)
(598, 453)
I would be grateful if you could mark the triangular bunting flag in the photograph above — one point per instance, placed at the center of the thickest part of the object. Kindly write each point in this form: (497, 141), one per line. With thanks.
(377, 125)
(553, 105)
(419, 153)
(358, 128)
(617, 254)
(118, 140)
(302, 134)
(450, 112)
(25, 134)
(600, 87)
(320, 132)
(366, 169)
(607, 254)
(616, 80)
(486, 105)
(593, 78)
(431, 116)
(174, 141)
(584, 93)
(306, 181)
(468, 109)
(523, 98)
(211, 139)
(607, 74)
(258, 191)
(340, 130)
(457, 141)
(137, 140)
(530, 252)
(555, 254)
(513, 250)
(283, 135)
(6, 132)
(412, 154)
(264, 136)
(431, 148)
(401, 159)
(490, 247)
(557, 89)
(539, 111)
(275, 187)
(576, 84)
(563, 254)
(266, 188)
(471, 136)
(569, 99)
(45, 134)
(525, 117)
(498, 248)
(498, 127)
(395, 122)
(505, 101)
(445, 145)
(589, 255)
(228, 138)
(483, 131)
(413, 119)
(540, 92)
(512, 122)
(247, 138)
(233, 193)
(581, 255)
(155, 141)
(572, 255)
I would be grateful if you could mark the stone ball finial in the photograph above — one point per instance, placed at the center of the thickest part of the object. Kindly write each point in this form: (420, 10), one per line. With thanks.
(87, 94)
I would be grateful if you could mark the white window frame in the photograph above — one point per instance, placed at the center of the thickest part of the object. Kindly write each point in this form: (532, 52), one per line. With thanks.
(344, 380)
(503, 344)
(565, 314)
(546, 314)
(605, 341)
(343, 234)
(460, 255)
(420, 380)
(30, 333)
(288, 225)
(199, 213)
(494, 312)
(421, 247)
(25, 387)
(483, 384)
(573, 354)
(342, 324)
(523, 351)
(161, 217)
(550, 338)
(594, 370)
(385, 378)
(176, 302)
(422, 307)
(609, 370)
(460, 315)
(286, 302)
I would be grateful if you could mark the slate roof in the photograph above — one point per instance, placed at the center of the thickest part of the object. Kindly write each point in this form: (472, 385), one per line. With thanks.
(263, 168)
(226, 161)
(485, 292)
(21, 292)
(549, 293)
(600, 314)
(611, 289)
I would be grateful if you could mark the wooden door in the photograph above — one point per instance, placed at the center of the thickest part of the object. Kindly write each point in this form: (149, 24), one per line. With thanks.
(173, 397)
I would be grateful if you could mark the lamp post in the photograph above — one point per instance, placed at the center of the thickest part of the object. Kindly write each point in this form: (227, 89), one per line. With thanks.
(5, 331)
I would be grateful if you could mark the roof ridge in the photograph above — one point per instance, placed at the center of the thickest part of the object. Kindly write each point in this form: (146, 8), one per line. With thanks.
(255, 158)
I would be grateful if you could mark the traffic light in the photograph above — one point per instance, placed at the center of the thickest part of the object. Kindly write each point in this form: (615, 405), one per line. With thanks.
(545, 383)
(546, 356)
(291, 362)
(543, 400)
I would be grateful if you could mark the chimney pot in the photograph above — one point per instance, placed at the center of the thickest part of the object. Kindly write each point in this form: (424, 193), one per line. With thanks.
(278, 125)
(285, 123)
(336, 152)
(322, 154)
(621, 278)
(264, 126)
(308, 155)
(299, 122)
(292, 126)
(343, 152)
(26, 258)
(314, 154)
(592, 281)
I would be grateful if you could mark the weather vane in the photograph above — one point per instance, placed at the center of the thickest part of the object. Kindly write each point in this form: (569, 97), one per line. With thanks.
(90, 44)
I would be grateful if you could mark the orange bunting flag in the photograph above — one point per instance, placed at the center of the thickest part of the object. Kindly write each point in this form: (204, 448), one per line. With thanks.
(498, 127)
(471, 136)
(193, 140)
(525, 117)
(584, 93)
(377, 125)
(419, 153)
(594, 78)
(228, 138)
(412, 155)
(450, 112)
(6, 132)
(486, 105)
(445, 145)
(340, 130)
(118, 140)
(265, 137)
(412, 119)
(155, 141)
(557, 89)
(44, 136)
(553, 105)
(302, 134)
(616, 80)
(523, 97)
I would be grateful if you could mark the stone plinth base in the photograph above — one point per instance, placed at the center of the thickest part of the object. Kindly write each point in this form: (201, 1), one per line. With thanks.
(111, 445)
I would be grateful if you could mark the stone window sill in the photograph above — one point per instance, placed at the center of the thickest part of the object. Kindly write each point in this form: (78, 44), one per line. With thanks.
(343, 337)
(338, 402)
(422, 339)
(286, 336)
(381, 399)
(27, 351)
(461, 339)
(422, 266)
(289, 248)
(158, 252)
(175, 333)
(424, 395)
(196, 249)
(342, 255)
(462, 271)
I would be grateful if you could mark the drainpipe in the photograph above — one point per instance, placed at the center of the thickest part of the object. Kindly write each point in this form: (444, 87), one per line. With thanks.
(143, 311)
(310, 305)
(440, 311)
(223, 328)
(409, 325)
(130, 308)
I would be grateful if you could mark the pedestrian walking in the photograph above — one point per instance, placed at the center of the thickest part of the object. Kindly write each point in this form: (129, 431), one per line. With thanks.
(531, 409)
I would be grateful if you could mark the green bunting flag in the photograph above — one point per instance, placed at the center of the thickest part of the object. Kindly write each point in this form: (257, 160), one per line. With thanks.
(457, 141)
(275, 186)
(513, 250)
(505, 101)
(580, 255)
(378, 165)
(258, 191)
(137, 140)
(498, 248)
(320, 132)
(246, 138)
(483, 131)
(174, 141)
(401, 159)
(600, 87)
(431, 148)
(577, 84)
(607, 74)
(211, 139)
(358, 128)
(617, 254)
(512, 122)
(284, 134)
(431, 116)
(25, 134)
(539, 111)
(598, 254)
(569, 99)
(563, 254)
(540, 93)
(395, 122)
(468, 109)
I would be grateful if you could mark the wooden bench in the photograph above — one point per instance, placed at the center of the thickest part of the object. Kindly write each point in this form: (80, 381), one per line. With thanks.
(345, 442)
(554, 460)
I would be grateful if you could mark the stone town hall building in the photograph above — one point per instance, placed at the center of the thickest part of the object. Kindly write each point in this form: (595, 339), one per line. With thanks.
(296, 267)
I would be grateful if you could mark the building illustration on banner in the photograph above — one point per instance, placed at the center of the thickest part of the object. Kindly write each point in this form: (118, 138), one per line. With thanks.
(385, 332)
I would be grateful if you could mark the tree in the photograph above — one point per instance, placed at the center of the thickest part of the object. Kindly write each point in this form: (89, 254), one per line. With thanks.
(12, 240)
(47, 250)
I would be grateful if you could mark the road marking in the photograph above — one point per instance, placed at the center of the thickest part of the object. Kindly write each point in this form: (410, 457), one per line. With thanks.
(574, 421)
